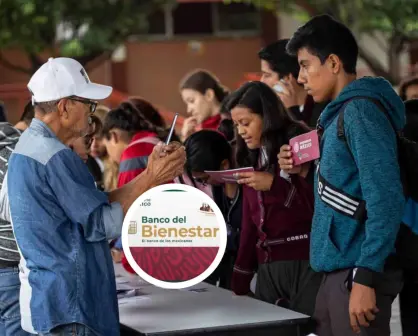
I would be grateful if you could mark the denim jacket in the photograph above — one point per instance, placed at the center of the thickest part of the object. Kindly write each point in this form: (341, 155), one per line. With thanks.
(62, 223)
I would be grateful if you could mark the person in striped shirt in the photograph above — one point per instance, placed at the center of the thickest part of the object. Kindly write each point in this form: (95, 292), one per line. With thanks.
(9, 253)
(129, 136)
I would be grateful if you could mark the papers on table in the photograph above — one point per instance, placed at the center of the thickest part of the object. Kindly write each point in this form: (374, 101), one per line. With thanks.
(134, 282)
(134, 299)
(128, 288)
(129, 293)
(196, 290)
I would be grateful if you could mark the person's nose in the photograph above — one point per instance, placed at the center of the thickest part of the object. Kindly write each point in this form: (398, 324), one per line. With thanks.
(301, 77)
(189, 109)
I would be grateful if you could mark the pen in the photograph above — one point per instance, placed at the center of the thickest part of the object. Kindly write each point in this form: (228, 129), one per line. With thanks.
(171, 129)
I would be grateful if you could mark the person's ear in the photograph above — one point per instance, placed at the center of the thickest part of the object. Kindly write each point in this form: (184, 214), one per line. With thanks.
(62, 108)
(210, 95)
(225, 164)
(334, 63)
(114, 136)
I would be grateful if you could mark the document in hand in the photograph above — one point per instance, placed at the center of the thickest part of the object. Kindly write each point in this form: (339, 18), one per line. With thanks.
(227, 176)
(305, 147)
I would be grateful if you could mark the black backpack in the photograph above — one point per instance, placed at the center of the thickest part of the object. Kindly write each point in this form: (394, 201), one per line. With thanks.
(407, 241)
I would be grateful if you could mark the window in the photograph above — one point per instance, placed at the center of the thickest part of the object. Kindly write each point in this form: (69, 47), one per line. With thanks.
(204, 19)
(237, 17)
(156, 23)
(193, 19)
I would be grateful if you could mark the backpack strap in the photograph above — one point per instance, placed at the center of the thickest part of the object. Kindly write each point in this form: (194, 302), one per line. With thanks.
(377, 102)
(336, 198)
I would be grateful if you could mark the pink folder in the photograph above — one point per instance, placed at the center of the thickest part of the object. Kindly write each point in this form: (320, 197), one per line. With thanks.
(305, 147)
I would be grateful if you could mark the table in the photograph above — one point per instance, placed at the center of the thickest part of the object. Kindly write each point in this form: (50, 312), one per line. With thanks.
(215, 311)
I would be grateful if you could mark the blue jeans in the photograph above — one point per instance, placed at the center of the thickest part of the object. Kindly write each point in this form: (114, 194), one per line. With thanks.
(9, 303)
(73, 329)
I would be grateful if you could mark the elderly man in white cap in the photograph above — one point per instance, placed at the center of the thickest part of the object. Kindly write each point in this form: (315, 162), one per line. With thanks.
(62, 223)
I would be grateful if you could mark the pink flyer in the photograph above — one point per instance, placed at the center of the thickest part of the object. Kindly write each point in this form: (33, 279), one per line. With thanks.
(305, 147)
(228, 176)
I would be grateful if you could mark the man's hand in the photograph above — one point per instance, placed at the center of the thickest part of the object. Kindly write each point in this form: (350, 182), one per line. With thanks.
(260, 181)
(289, 95)
(286, 161)
(362, 307)
(170, 148)
(164, 167)
(189, 127)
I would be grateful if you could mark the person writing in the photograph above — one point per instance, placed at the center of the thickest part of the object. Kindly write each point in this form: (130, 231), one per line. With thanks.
(61, 221)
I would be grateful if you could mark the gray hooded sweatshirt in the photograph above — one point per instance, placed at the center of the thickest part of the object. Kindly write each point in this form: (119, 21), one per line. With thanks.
(9, 253)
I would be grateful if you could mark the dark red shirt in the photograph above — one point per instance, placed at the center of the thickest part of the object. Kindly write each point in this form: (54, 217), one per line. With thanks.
(134, 158)
(211, 123)
(276, 225)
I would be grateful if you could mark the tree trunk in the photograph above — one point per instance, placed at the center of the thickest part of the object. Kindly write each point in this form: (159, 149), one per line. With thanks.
(396, 46)
(375, 65)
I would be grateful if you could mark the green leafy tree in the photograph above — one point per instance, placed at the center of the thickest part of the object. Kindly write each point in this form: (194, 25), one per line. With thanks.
(80, 29)
(393, 24)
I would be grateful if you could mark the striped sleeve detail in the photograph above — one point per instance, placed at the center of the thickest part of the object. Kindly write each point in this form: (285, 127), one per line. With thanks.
(133, 162)
(9, 253)
(139, 162)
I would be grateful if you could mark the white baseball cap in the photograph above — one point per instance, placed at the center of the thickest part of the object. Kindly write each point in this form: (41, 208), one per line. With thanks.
(64, 77)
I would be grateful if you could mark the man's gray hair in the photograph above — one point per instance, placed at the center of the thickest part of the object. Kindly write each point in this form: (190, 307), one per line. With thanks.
(46, 107)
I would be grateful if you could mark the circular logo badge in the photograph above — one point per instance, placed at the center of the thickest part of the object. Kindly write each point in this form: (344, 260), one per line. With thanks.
(174, 236)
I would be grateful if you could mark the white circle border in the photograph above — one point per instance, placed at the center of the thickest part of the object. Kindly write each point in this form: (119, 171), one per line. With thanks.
(183, 284)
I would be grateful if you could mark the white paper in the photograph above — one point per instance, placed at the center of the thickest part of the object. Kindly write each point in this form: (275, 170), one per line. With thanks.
(134, 299)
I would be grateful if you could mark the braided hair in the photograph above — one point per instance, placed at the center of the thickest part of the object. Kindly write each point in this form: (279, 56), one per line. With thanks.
(278, 126)
(131, 119)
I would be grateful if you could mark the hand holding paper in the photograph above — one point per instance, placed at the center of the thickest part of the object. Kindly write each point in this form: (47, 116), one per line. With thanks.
(260, 181)
(305, 148)
(227, 176)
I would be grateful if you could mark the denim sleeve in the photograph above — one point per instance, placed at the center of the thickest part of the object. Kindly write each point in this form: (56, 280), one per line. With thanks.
(106, 223)
(373, 144)
(74, 188)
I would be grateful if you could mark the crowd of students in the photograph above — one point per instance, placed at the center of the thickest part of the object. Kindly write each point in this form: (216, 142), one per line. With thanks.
(320, 237)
